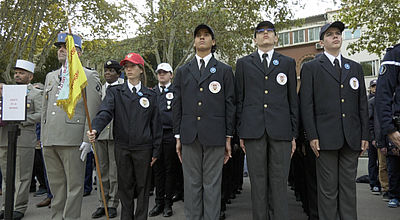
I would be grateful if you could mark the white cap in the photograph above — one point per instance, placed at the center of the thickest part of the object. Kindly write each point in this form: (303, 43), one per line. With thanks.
(25, 65)
(165, 67)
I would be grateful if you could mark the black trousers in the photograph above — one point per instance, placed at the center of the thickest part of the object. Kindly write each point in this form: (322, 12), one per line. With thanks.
(165, 172)
(311, 182)
(134, 176)
(373, 168)
(393, 165)
(38, 170)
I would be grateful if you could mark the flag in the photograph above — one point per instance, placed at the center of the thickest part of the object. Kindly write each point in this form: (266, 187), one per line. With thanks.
(73, 80)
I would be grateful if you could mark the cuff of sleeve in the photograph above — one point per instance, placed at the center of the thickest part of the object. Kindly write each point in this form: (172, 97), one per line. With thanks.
(229, 136)
(177, 136)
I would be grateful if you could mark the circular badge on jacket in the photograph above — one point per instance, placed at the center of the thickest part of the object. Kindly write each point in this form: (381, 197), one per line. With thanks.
(144, 102)
(281, 78)
(354, 84)
(169, 95)
(214, 87)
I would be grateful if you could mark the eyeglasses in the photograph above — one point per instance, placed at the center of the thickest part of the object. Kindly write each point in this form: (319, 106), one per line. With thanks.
(269, 30)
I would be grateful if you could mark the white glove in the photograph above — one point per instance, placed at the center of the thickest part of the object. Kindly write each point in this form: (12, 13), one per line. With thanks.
(85, 148)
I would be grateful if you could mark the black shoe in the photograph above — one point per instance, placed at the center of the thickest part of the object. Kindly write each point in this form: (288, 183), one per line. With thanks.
(158, 209)
(100, 212)
(221, 215)
(177, 197)
(167, 211)
(16, 215)
(112, 212)
(86, 194)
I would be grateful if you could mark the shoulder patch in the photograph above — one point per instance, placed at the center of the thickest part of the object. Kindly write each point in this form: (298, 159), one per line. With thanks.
(382, 69)
(98, 87)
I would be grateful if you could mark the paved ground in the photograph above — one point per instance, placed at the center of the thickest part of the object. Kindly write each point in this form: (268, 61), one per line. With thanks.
(370, 207)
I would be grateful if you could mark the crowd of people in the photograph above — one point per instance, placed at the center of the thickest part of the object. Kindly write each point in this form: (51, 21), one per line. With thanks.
(187, 137)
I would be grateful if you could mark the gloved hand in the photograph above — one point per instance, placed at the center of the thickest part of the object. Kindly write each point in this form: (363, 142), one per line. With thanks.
(85, 148)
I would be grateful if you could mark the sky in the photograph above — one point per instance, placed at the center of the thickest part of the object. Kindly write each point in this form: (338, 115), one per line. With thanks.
(310, 8)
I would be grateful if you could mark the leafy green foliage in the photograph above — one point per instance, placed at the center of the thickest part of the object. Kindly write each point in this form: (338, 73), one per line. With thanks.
(380, 20)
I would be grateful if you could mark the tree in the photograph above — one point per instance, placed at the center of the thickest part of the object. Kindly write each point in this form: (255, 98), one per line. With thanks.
(29, 27)
(166, 27)
(381, 20)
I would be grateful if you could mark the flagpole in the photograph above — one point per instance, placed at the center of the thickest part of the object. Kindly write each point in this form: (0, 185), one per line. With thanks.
(96, 159)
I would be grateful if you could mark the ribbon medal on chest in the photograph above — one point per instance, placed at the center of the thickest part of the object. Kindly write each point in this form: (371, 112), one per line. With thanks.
(354, 84)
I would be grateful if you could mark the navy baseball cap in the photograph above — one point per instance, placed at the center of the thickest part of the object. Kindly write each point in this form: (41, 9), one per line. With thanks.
(204, 26)
(61, 40)
(112, 64)
(372, 83)
(264, 24)
(337, 24)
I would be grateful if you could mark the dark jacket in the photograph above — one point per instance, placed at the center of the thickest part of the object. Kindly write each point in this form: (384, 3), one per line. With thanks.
(199, 109)
(135, 126)
(266, 100)
(165, 100)
(334, 109)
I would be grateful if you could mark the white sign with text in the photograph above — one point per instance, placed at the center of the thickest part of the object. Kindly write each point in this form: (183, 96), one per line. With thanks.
(14, 103)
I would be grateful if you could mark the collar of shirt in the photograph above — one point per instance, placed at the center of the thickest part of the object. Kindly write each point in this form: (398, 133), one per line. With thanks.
(138, 86)
(270, 54)
(166, 86)
(206, 59)
(112, 84)
(332, 58)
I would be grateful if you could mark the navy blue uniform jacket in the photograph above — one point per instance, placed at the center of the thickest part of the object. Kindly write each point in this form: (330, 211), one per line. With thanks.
(334, 109)
(135, 126)
(165, 100)
(199, 112)
(267, 100)
(387, 98)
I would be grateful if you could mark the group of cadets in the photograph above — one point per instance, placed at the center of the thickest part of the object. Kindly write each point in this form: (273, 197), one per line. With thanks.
(194, 131)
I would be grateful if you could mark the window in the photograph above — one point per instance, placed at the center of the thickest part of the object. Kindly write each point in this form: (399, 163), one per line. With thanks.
(348, 34)
(357, 33)
(284, 39)
(369, 67)
(298, 36)
(313, 33)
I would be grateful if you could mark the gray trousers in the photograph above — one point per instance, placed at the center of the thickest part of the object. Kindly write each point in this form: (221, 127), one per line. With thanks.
(66, 175)
(202, 173)
(268, 161)
(23, 175)
(108, 169)
(336, 182)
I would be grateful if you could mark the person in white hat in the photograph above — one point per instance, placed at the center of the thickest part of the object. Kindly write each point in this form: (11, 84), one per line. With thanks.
(23, 74)
(166, 167)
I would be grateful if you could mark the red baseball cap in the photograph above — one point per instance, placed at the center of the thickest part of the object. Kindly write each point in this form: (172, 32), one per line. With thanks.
(133, 58)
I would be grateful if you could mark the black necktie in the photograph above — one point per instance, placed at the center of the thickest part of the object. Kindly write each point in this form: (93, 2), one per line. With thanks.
(202, 67)
(265, 62)
(134, 90)
(337, 67)
(162, 89)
